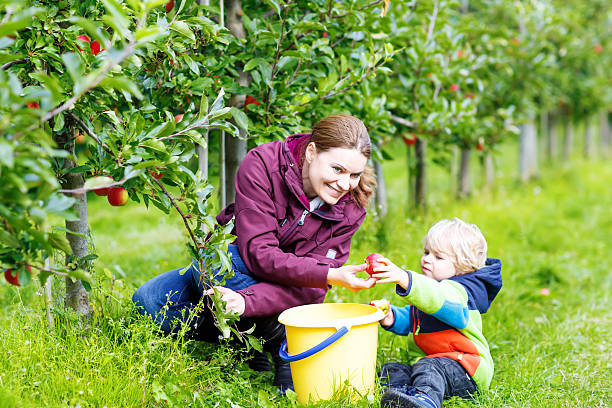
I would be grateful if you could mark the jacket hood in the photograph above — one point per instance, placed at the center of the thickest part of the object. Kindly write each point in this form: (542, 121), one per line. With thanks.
(487, 279)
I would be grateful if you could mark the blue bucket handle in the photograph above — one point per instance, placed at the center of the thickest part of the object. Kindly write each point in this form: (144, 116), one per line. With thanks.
(284, 355)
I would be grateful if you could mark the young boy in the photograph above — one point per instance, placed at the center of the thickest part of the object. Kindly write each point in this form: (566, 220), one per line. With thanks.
(442, 317)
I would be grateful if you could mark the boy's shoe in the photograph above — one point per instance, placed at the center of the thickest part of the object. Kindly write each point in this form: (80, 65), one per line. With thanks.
(282, 375)
(412, 398)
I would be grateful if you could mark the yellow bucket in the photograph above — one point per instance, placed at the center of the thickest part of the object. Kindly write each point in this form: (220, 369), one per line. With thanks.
(331, 347)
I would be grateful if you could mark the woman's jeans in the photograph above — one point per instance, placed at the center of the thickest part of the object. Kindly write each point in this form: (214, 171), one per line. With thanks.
(170, 297)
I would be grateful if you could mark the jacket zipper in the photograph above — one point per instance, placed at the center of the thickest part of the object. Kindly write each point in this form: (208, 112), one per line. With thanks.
(293, 227)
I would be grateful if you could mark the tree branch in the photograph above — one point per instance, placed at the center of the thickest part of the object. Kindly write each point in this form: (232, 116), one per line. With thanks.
(87, 130)
(11, 63)
(193, 238)
(402, 121)
(359, 9)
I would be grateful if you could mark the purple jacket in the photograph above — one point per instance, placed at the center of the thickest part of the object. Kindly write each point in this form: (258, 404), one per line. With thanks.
(281, 242)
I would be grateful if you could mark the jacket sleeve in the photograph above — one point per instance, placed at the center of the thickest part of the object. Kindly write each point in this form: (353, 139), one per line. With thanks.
(269, 299)
(402, 323)
(257, 232)
(445, 300)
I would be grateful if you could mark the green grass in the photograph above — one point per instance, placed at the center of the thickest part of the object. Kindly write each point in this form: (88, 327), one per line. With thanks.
(549, 351)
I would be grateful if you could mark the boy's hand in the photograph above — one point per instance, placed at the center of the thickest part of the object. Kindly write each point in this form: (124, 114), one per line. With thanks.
(385, 306)
(387, 272)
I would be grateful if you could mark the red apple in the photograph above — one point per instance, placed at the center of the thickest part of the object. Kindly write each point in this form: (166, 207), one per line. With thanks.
(169, 6)
(33, 105)
(178, 117)
(117, 196)
(157, 174)
(13, 277)
(410, 141)
(325, 35)
(102, 191)
(515, 41)
(598, 48)
(480, 145)
(250, 100)
(95, 47)
(469, 96)
(454, 87)
(80, 138)
(459, 53)
(373, 261)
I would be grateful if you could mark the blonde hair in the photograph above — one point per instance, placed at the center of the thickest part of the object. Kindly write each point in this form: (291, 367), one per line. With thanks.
(461, 242)
(347, 132)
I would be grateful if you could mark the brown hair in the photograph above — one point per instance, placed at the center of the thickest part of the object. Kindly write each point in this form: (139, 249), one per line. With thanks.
(347, 132)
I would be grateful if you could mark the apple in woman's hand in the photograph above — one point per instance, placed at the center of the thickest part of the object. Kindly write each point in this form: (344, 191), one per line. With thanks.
(373, 261)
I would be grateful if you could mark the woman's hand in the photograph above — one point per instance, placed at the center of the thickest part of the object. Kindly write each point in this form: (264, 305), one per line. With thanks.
(233, 300)
(387, 272)
(345, 276)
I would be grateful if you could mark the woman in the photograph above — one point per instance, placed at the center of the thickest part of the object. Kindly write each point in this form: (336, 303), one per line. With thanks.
(298, 204)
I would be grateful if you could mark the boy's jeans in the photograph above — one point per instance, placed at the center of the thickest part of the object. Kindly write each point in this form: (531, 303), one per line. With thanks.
(171, 296)
(435, 376)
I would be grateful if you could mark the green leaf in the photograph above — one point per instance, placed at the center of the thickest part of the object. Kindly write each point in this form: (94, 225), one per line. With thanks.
(9, 240)
(122, 83)
(183, 28)
(275, 6)
(6, 154)
(241, 118)
(60, 242)
(253, 63)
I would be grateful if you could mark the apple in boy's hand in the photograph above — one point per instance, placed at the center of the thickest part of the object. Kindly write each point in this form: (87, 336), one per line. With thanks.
(373, 260)
(382, 304)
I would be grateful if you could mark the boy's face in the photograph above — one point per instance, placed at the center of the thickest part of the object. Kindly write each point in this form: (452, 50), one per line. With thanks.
(437, 265)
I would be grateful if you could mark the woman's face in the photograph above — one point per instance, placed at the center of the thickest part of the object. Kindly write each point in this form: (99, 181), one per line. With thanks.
(333, 173)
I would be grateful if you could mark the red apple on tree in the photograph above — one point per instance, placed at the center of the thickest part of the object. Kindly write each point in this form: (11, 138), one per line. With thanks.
(410, 140)
(102, 191)
(178, 117)
(33, 105)
(80, 138)
(169, 6)
(454, 87)
(117, 196)
(480, 145)
(598, 48)
(157, 174)
(373, 260)
(250, 100)
(12, 277)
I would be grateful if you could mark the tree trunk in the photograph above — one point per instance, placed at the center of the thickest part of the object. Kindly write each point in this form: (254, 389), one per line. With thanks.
(464, 182)
(543, 130)
(489, 170)
(381, 189)
(453, 172)
(604, 127)
(76, 296)
(235, 147)
(568, 139)
(551, 145)
(235, 150)
(528, 152)
(410, 203)
(420, 190)
(588, 138)
(222, 170)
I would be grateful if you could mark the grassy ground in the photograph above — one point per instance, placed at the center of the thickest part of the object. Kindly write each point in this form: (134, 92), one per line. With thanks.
(549, 351)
